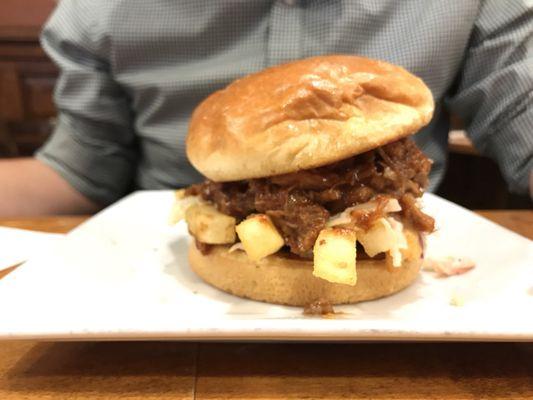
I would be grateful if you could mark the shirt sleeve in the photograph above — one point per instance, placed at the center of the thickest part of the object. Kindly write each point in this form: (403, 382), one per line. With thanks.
(495, 90)
(93, 146)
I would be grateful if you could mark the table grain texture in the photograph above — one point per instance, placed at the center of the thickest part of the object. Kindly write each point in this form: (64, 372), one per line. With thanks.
(173, 370)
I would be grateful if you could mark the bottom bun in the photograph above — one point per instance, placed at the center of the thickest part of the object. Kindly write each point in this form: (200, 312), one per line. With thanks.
(282, 280)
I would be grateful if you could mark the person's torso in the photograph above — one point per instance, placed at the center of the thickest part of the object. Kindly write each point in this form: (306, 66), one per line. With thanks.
(170, 55)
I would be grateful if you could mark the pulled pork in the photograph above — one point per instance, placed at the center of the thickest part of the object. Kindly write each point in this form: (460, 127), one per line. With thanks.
(319, 307)
(301, 203)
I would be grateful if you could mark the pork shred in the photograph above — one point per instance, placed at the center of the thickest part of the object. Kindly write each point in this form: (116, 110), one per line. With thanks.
(300, 203)
(204, 248)
(319, 307)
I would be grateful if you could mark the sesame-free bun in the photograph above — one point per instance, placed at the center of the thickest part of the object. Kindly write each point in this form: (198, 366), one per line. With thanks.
(305, 114)
(289, 281)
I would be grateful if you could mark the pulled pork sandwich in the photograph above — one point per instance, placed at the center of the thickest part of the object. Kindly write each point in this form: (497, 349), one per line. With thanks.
(312, 182)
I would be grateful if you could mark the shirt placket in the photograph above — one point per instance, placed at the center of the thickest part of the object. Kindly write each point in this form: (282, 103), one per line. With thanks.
(285, 32)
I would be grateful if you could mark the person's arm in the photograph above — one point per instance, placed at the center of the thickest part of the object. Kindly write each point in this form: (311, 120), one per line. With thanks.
(93, 147)
(30, 188)
(495, 92)
(89, 160)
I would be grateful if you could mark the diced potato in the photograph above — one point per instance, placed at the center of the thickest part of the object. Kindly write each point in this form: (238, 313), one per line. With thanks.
(378, 239)
(397, 227)
(179, 194)
(182, 203)
(401, 242)
(335, 256)
(259, 236)
(208, 225)
(385, 235)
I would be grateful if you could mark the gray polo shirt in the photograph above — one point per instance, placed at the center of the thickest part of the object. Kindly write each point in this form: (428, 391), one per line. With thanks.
(133, 71)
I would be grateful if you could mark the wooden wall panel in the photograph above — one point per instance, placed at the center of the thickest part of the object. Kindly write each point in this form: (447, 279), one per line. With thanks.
(22, 19)
(27, 77)
(11, 103)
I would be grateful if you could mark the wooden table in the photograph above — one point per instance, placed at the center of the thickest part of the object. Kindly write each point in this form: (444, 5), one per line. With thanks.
(164, 370)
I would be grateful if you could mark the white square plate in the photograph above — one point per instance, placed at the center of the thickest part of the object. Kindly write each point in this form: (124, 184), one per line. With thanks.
(124, 275)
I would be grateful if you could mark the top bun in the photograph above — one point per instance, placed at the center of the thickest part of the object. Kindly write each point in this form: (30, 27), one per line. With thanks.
(305, 114)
